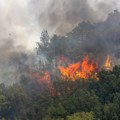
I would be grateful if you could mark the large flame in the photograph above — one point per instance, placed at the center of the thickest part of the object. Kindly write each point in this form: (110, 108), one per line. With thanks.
(107, 64)
(78, 70)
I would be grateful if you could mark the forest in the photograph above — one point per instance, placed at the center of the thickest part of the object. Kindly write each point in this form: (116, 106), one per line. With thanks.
(70, 80)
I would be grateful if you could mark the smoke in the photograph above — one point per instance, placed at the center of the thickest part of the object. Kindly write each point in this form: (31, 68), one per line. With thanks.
(7, 72)
(62, 15)
(18, 33)
(21, 23)
(23, 20)
(17, 23)
(14, 62)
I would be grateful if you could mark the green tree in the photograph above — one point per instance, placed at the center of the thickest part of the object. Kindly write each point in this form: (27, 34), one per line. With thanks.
(43, 44)
(81, 116)
(4, 105)
(57, 111)
(110, 112)
(19, 100)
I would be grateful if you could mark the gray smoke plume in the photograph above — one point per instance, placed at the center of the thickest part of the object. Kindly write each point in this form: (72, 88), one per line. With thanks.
(22, 21)
(60, 16)
(17, 23)
(18, 33)
(14, 61)
(7, 71)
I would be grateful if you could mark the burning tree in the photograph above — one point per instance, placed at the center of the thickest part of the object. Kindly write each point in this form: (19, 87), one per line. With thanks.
(107, 64)
(79, 70)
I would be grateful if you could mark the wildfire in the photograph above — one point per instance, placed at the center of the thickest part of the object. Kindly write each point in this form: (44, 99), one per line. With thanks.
(107, 64)
(43, 78)
(78, 70)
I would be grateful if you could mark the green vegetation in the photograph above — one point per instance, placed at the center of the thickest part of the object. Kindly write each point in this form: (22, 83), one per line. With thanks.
(81, 116)
(94, 100)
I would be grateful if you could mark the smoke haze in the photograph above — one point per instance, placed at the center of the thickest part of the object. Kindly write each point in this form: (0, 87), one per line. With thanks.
(23, 20)
(21, 23)
(61, 16)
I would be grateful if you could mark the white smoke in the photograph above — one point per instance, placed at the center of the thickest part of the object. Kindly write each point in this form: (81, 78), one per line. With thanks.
(21, 22)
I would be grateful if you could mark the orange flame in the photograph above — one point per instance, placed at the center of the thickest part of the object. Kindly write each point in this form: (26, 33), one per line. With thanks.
(107, 64)
(78, 70)
(43, 78)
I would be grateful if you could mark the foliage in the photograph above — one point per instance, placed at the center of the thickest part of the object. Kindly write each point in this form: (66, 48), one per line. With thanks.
(81, 116)
(85, 101)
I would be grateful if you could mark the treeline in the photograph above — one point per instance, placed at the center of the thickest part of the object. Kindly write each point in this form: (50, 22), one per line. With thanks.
(74, 100)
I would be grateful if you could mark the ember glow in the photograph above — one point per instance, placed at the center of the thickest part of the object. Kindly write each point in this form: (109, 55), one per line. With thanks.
(43, 78)
(84, 70)
(107, 65)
